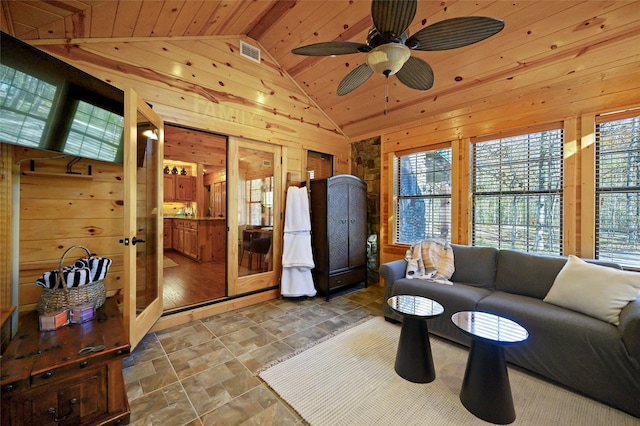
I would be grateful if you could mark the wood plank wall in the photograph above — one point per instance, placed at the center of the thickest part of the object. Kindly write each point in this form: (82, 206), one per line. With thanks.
(207, 85)
(58, 211)
(6, 233)
(7, 324)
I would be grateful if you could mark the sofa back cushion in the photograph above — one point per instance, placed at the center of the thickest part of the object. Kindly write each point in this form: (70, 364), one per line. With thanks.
(527, 274)
(530, 274)
(475, 266)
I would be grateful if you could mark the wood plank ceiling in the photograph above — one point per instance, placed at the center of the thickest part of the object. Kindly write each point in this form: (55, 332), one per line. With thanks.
(544, 42)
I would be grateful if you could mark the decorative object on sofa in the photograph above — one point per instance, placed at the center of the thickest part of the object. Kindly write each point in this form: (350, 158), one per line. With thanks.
(486, 391)
(339, 232)
(297, 257)
(414, 361)
(389, 45)
(591, 356)
(70, 286)
(594, 290)
(430, 260)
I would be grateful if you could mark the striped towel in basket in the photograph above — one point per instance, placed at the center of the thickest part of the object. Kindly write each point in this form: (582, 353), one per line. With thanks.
(83, 271)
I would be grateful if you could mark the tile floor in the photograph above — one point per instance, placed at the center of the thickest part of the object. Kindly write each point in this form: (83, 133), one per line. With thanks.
(203, 372)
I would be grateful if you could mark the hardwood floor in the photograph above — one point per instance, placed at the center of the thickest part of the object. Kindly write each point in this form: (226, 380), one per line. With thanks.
(191, 282)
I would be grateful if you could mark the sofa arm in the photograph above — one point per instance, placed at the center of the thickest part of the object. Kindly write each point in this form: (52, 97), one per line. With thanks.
(390, 272)
(630, 328)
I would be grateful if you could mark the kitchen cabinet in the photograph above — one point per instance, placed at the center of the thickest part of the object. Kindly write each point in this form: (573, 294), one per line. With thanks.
(203, 240)
(169, 188)
(179, 188)
(190, 246)
(167, 234)
(185, 188)
(177, 239)
(339, 232)
(45, 381)
(219, 199)
(185, 237)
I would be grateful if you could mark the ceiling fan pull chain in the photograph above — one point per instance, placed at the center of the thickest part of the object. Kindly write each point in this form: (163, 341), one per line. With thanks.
(386, 93)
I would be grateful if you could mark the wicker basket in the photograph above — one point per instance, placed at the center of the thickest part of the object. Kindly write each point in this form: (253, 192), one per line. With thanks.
(61, 297)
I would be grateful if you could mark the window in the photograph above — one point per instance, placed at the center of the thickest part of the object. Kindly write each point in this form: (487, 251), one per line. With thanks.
(423, 196)
(255, 201)
(618, 188)
(260, 201)
(517, 192)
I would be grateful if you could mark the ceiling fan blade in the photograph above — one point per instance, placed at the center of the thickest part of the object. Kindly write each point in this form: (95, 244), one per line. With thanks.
(331, 48)
(456, 32)
(354, 79)
(416, 74)
(392, 17)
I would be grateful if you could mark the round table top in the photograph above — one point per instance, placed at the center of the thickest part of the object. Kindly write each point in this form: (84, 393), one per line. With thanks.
(489, 327)
(416, 306)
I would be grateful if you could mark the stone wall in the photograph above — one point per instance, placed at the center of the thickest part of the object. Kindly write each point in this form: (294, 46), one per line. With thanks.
(365, 164)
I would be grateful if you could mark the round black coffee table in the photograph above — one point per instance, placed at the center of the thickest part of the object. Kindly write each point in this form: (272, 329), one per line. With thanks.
(414, 361)
(486, 391)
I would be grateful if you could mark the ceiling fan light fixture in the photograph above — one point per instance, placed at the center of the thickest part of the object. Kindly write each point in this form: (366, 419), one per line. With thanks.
(387, 59)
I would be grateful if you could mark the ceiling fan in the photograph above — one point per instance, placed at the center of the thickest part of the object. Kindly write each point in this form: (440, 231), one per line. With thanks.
(388, 46)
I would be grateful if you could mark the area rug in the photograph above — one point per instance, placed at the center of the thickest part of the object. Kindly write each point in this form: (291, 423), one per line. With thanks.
(350, 379)
(168, 263)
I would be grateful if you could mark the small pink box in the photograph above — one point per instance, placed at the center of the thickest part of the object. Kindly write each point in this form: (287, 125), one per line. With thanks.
(54, 320)
(82, 313)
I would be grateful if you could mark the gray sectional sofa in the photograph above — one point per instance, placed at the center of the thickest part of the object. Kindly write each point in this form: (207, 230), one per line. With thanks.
(588, 355)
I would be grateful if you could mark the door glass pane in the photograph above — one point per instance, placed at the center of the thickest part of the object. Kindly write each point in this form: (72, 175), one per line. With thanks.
(255, 211)
(147, 214)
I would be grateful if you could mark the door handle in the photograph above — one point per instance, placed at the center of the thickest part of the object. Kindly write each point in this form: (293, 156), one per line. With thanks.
(135, 240)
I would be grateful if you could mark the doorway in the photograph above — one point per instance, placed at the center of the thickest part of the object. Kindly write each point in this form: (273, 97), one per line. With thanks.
(195, 218)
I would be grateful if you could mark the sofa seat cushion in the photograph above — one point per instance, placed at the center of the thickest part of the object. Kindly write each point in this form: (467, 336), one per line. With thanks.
(594, 290)
(454, 298)
(555, 334)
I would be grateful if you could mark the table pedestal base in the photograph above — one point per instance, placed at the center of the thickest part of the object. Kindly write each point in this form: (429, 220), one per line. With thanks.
(486, 391)
(414, 361)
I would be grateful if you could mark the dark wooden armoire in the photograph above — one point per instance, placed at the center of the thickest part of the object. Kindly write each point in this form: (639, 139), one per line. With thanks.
(339, 232)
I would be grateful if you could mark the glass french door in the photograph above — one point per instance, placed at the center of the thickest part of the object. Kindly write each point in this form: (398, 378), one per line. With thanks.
(144, 133)
(254, 198)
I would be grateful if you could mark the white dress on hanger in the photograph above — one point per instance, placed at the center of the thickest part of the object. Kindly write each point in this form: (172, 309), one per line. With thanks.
(297, 257)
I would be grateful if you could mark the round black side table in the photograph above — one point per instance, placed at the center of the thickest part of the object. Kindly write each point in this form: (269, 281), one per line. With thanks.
(414, 361)
(486, 391)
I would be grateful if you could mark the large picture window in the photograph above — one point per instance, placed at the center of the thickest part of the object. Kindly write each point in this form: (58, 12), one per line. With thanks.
(517, 192)
(617, 226)
(423, 196)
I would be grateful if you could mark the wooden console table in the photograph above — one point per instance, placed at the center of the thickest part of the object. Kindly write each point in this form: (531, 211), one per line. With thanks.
(45, 381)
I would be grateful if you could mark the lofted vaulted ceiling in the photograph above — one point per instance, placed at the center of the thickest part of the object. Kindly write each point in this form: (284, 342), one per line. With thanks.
(543, 43)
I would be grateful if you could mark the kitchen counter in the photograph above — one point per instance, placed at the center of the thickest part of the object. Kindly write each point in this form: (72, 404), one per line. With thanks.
(201, 238)
(194, 218)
